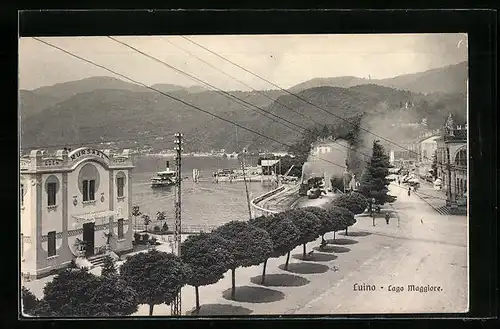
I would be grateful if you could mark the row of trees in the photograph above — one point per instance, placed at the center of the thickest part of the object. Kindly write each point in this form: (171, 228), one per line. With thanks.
(156, 277)
(146, 219)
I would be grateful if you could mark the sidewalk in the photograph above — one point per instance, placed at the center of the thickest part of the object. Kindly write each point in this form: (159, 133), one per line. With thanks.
(434, 198)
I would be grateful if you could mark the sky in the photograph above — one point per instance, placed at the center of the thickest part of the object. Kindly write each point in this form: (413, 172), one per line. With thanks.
(285, 60)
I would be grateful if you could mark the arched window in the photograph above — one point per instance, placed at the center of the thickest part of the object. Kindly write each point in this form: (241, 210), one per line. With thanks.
(120, 184)
(88, 182)
(51, 187)
(461, 158)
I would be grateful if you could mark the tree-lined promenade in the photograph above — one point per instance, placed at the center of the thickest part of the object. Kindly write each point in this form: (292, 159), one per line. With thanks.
(155, 277)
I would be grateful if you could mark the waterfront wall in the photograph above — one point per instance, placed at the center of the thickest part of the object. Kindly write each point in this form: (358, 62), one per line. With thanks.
(258, 210)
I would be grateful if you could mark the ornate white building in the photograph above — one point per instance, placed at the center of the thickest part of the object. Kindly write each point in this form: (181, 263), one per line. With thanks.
(71, 202)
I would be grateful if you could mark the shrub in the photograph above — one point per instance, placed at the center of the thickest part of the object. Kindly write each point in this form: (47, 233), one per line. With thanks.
(145, 237)
(164, 228)
(108, 268)
(137, 237)
(29, 301)
(156, 228)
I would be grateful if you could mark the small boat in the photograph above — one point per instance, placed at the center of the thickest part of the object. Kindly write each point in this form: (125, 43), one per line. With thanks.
(164, 178)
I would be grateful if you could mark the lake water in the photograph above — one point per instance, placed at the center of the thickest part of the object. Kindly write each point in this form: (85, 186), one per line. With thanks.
(203, 203)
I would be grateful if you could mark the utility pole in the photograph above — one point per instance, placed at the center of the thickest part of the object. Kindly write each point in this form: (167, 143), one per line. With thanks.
(246, 185)
(176, 303)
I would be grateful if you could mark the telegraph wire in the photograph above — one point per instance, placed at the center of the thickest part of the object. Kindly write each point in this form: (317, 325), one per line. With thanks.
(298, 97)
(253, 89)
(243, 83)
(185, 103)
(220, 90)
(172, 97)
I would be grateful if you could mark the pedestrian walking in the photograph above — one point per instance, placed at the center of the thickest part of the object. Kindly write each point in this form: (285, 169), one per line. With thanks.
(387, 216)
(409, 191)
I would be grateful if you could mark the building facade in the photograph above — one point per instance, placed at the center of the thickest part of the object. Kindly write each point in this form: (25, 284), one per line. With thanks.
(452, 161)
(404, 155)
(427, 148)
(73, 204)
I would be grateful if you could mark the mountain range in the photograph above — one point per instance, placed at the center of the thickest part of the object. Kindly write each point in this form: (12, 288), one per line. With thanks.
(450, 79)
(105, 108)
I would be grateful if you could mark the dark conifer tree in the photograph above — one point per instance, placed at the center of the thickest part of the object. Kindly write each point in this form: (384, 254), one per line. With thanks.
(373, 181)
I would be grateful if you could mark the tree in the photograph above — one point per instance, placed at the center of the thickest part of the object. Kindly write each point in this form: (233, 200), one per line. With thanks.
(328, 222)
(43, 309)
(136, 212)
(30, 301)
(147, 220)
(284, 235)
(346, 217)
(354, 202)
(374, 182)
(160, 216)
(156, 277)
(70, 294)
(208, 257)
(287, 162)
(249, 245)
(113, 297)
(164, 228)
(434, 166)
(108, 267)
(308, 225)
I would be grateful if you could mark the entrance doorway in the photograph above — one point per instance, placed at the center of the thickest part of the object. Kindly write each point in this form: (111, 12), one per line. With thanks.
(88, 238)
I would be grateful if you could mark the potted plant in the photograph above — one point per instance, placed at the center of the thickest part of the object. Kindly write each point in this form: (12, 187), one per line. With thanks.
(81, 247)
(108, 236)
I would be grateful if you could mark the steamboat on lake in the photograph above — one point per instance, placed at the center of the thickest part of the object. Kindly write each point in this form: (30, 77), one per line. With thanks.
(165, 178)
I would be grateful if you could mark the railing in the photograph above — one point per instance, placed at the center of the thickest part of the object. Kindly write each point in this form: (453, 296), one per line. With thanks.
(267, 195)
(185, 229)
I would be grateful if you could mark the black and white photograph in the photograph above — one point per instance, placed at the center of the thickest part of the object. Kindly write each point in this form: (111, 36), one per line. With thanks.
(243, 175)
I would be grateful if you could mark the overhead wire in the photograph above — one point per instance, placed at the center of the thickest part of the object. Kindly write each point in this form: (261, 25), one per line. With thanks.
(175, 98)
(216, 88)
(298, 97)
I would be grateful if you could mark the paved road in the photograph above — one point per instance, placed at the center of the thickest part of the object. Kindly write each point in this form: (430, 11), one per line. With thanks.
(426, 249)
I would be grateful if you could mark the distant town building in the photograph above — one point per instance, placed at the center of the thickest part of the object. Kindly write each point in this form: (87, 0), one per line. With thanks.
(427, 148)
(70, 203)
(404, 154)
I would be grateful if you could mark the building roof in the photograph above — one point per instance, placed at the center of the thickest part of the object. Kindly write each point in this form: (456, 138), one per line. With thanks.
(269, 163)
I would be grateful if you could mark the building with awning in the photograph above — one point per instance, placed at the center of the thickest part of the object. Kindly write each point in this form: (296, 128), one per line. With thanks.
(270, 167)
(73, 204)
